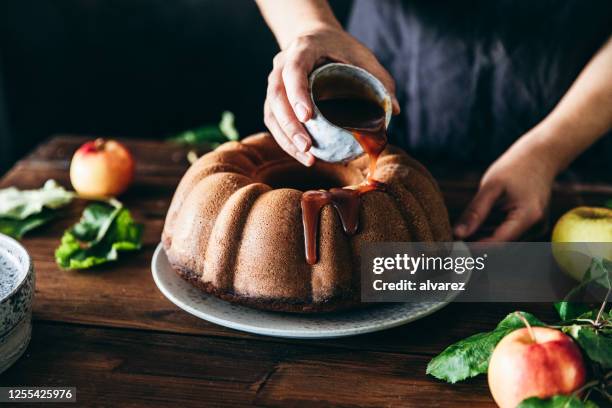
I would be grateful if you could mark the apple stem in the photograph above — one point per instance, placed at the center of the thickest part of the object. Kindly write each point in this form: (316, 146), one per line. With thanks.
(99, 143)
(115, 203)
(603, 307)
(586, 386)
(526, 323)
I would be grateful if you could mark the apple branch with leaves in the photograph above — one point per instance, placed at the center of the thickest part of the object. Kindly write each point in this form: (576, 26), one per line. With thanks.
(589, 327)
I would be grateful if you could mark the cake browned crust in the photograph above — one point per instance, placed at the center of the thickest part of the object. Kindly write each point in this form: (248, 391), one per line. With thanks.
(234, 227)
(342, 301)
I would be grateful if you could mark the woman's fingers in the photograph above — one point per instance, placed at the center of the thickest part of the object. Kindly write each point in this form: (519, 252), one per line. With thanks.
(281, 120)
(517, 222)
(477, 211)
(295, 73)
(306, 158)
(284, 115)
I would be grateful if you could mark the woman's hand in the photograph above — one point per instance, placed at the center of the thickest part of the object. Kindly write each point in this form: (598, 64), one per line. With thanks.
(288, 102)
(520, 181)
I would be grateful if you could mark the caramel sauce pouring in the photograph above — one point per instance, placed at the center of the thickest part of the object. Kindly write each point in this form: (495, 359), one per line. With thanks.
(365, 119)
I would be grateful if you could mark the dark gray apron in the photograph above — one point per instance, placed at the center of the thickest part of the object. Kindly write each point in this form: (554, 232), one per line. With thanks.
(474, 76)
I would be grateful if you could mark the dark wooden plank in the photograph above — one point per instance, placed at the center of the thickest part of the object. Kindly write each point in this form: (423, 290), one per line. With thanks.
(160, 156)
(27, 175)
(138, 368)
(347, 381)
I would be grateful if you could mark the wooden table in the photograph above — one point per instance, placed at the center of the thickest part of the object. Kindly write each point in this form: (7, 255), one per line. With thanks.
(114, 336)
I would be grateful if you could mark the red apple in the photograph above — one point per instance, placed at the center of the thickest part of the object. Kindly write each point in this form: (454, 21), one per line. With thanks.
(534, 362)
(101, 169)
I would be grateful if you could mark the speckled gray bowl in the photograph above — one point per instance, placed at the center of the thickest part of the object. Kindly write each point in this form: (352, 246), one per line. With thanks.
(16, 295)
(329, 142)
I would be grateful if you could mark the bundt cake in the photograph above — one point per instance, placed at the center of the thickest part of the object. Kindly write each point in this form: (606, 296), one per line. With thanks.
(235, 229)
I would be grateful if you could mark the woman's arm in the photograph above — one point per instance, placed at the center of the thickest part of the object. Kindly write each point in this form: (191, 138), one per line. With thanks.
(522, 177)
(582, 116)
(288, 19)
(308, 34)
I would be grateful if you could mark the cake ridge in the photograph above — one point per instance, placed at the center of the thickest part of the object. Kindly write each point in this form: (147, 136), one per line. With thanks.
(412, 212)
(219, 264)
(200, 207)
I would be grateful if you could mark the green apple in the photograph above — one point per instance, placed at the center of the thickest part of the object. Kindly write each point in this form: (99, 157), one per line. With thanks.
(580, 235)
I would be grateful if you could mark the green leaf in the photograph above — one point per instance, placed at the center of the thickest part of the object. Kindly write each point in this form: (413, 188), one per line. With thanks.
(571, 310)
(211, 134)
(597, 345)
(598, 273)
(18, 228)
(601, 272)
(470, 357)
(95, 222)
(592, 315)
(20, 204)
(558, 401)
(466, 358)
(513, 322)
(608, 204)
(24, 210)
(227, 126)
(98, 237)
(204, 134)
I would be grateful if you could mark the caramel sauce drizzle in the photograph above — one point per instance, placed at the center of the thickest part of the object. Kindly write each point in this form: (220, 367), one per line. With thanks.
(366, 121)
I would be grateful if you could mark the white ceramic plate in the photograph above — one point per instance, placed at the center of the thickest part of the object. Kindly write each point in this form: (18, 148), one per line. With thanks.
(288, 325)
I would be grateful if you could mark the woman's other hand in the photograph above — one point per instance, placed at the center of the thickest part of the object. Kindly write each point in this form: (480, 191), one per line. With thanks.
(288, 104)
(520, 183)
